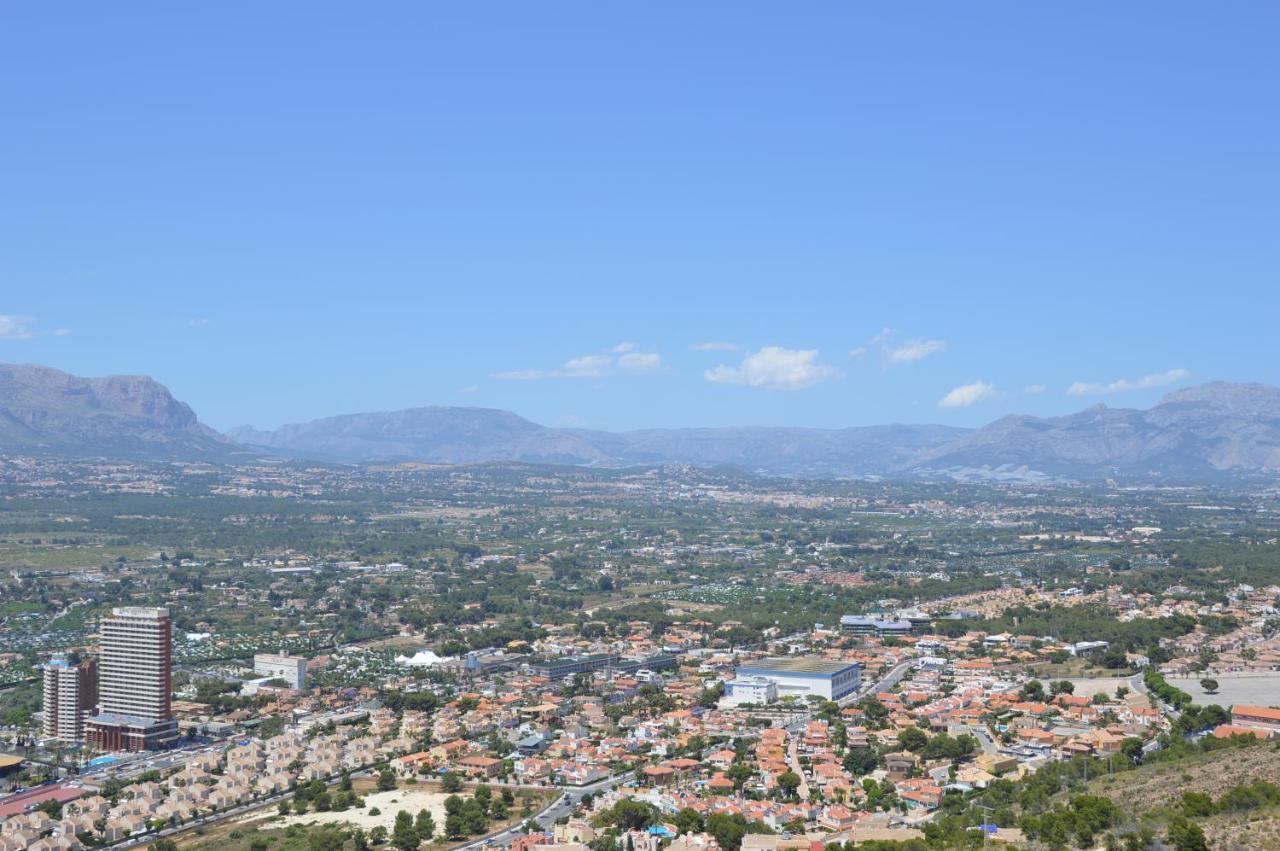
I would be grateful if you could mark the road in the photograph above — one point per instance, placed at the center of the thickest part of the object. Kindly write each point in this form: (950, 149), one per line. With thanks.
(890, 680)
(793, 760)
(984, 738)
(1138, 684)
(885, 683)
(563, 805)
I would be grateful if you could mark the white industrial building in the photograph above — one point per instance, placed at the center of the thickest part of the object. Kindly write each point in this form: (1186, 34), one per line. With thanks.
(801, 676)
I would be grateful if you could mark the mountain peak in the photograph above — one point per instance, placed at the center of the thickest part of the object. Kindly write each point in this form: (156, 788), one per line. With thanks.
(46, 409)
(1239, 396)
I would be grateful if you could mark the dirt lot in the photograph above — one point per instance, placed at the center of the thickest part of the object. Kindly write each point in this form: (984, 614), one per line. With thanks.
(409, 798)
(1260, 689)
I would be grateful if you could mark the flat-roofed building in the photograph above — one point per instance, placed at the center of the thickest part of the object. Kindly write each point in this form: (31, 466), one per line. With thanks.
(291, 669)
(859, 625)
(760, 691)
(802, 676)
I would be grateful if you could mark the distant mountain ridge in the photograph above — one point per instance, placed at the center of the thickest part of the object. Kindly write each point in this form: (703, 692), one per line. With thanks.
(1215, 430)
(44, 410)
(1199, 432)
(435, 434)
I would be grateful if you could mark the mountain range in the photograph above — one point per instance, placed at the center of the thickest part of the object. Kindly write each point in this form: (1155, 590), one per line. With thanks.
(46, 411)
(1211, 431)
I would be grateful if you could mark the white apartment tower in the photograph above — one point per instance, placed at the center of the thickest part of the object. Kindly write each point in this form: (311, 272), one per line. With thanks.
(134, 681)
(70, 692)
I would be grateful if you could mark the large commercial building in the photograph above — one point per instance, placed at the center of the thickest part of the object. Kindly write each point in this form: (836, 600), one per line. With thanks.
(567, 666)
(859, 625)
(291, 669)
(134, 685)
(70, 692)
(802, 676)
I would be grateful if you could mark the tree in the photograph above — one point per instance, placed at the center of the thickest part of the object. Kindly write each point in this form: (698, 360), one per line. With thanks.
(1114, 658)
(386, 780)
(913, 739)
(450, 782)
(859, 761)
(1186, 835)
(473, 817)
(739, 773)
(424, 825)
(788, 782)
(403, 836)
(1210, 685)
(283, 808)
(629, 814)
(1062, 687)
(1198, 805)
(1032, 690)
(688, 820)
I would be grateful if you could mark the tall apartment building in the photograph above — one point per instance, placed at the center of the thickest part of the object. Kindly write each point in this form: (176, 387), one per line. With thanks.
(70, 692)
(134, 670)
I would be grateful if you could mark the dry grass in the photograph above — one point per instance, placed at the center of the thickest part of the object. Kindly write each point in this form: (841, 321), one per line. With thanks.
(1159, 785)
(1256, 830)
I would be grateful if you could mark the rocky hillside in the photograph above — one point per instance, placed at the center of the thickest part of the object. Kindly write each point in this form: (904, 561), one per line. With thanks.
(1206, 431)
(43, 410)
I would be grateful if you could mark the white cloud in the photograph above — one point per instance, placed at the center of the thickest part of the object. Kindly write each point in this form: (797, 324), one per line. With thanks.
(1034, 389)
(913, 350)
(15, 327)
(775, 368)
(967, 394)
(640, 362)
(620, 359)
(198, 322)
(857, 351)
(714, 347)
(62, 332)
(882, 337)
(471, 388)
(1124, 385)
(587, 366)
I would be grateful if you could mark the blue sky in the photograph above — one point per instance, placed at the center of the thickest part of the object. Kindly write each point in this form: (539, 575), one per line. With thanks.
(892, 212)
